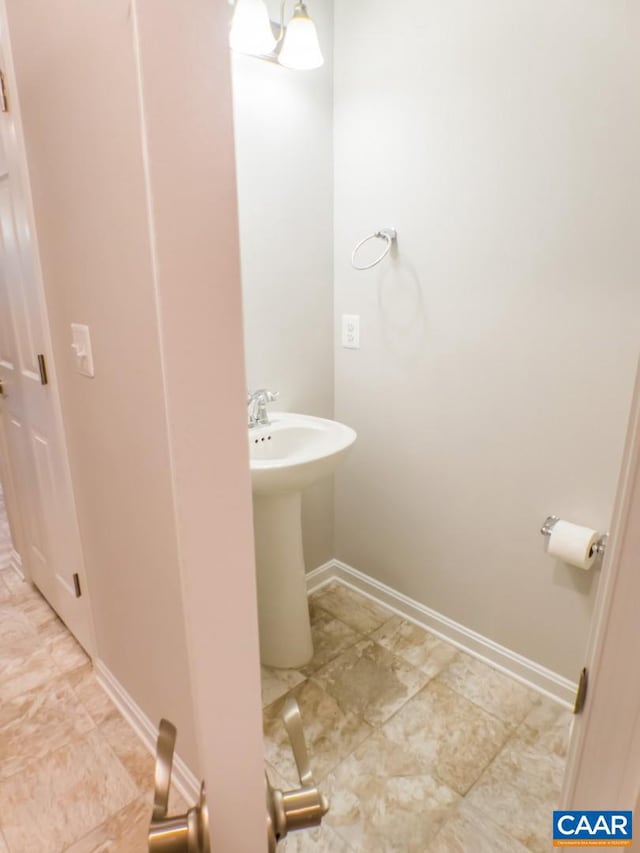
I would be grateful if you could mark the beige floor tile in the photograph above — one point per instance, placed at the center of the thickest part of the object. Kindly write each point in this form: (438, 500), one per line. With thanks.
(370, 682)
(519, 791)
(91, 694)
(14, 625)
(38, 723)
(352, 608)
(124, 832)
(331, 733)
(381, 800)
(453, 738)
(66, 652)
(24, 665)
(319, 840)
(548, 726)
(415, 645)
(497, 693)
(52, 629)
(35, 607)
(471, 831)
(12, 580)
(529, 768)
(61, 798)
(5, 593)
(519, 813)
(133, 754)
(330, 638)
(278, 682)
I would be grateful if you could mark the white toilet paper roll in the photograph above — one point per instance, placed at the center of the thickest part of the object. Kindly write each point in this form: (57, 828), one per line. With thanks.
(573, 544)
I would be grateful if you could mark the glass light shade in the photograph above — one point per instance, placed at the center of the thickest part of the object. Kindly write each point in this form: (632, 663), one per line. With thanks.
(301, 48)
(251, 29)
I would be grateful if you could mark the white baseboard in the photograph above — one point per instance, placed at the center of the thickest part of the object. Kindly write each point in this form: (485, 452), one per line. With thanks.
(185, 781)
(526, 671)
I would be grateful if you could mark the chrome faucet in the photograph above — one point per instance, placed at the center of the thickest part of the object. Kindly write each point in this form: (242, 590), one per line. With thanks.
(257, 404)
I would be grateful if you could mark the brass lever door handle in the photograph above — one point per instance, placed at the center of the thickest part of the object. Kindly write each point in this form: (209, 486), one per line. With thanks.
(303, 807)
(167, 735)
(187, 833)
(292, 719)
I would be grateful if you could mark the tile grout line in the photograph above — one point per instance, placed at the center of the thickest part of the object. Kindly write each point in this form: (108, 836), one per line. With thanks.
(512, 727)
(459, 652)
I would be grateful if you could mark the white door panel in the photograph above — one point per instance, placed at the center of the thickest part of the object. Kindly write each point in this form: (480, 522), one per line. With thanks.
(31, 416)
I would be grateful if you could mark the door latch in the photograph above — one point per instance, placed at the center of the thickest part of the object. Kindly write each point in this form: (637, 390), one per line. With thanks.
(581, 694)
(42, 367)
(187, 833)
(304, 807)
(4, 101)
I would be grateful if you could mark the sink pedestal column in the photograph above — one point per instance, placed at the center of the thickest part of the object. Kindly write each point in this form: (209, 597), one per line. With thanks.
(283, 611)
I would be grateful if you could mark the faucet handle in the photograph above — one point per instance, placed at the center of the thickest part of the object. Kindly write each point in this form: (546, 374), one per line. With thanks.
(262, 394)
(257, 404)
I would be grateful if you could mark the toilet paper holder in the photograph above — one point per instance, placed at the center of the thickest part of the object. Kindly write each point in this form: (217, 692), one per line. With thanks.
(550, 522)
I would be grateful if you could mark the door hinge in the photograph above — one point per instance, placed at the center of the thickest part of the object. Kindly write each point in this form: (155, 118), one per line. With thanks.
(42, 366)
(581, 694)
(76, 584)
(4, 101)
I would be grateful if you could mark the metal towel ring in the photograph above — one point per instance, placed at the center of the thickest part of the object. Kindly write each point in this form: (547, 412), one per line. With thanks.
(390, 235)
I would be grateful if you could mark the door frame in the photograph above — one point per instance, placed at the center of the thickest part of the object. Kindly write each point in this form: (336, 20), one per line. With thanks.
(603, 766)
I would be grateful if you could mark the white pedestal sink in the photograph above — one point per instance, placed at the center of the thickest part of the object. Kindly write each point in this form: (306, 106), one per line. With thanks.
(286, 456)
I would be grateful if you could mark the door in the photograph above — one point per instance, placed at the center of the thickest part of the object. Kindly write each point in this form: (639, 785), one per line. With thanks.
(603, 769)
(202, 345)
(29, 408)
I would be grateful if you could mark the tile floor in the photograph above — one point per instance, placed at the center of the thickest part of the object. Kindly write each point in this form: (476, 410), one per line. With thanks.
(73, 775)
(418, 746)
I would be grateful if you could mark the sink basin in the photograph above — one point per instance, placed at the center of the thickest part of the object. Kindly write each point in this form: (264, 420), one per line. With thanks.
(295, 451)
(286, 456)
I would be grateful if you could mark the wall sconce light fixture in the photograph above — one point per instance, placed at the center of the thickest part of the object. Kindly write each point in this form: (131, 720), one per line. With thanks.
(296, 46)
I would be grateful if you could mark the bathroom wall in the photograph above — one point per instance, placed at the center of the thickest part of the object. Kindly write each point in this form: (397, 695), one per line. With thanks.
(284, 149)
(77, 83)
(499, 345)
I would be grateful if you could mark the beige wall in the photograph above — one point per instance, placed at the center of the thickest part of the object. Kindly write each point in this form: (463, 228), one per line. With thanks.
(499, 347)
(76, 77)
(284, 150)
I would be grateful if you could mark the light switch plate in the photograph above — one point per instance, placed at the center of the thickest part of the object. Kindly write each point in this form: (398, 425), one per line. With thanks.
(351, 331)
(81, 346)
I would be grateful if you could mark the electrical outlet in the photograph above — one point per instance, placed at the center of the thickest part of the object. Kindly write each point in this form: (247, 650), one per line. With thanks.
(351, 331)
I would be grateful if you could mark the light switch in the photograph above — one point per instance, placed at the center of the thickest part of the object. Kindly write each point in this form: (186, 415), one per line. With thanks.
(81, 346)
(351, 331)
